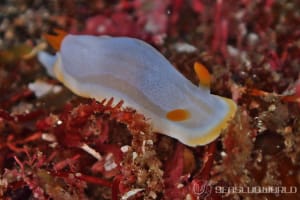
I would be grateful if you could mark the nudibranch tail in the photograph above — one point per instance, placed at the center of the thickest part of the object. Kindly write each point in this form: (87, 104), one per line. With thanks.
(55, 40)
(48, 61)
(202, 74)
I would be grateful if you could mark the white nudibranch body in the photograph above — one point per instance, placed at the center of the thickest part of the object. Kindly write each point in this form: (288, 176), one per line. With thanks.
(133, 71)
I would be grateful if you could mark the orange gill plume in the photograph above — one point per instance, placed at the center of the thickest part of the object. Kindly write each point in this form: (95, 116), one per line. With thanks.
(55, 40)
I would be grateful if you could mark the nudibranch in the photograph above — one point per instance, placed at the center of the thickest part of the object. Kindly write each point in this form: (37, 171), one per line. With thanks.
(131, 70)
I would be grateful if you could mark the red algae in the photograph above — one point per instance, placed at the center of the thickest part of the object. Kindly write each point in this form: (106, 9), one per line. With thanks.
(61, 146)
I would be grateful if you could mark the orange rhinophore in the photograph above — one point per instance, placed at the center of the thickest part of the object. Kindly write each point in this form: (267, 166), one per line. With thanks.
(55, 40)
(202, 74)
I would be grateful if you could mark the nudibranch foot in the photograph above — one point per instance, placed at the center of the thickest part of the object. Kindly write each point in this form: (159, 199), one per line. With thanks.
(132, 71)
